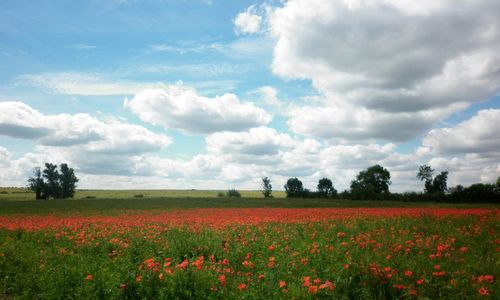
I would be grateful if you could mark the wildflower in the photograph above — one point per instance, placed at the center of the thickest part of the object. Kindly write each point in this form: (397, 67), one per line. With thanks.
(160, 276)
(484, 291)
(420, 281)
(183, 265)
(437, 267)
(89, 277)
(328, 284)
(400, 286)
(306, 281)
(222, 280)
(270, 248)
(242, 286)
(317, 281)
(282, 284)
(138, 278)
(413, 292)
(464, 249)
(313, 289)
(225, 262)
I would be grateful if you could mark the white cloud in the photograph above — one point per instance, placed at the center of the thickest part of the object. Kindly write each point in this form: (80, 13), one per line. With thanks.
(270, 96)
(479, 134)
(19, 120)
(248, 22)
(182, 108)
(384, 61)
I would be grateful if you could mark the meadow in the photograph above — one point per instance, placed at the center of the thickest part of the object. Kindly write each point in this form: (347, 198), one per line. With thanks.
(247, 248)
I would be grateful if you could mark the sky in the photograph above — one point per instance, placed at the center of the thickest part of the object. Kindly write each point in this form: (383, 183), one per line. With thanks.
(212, 94)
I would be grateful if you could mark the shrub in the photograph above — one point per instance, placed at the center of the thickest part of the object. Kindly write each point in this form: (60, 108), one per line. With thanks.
(233, 193)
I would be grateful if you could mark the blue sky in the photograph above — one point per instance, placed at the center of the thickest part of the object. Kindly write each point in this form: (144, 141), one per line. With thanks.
(217, 94)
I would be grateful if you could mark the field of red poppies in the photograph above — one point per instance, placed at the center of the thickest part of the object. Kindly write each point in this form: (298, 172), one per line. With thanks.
(253, 253)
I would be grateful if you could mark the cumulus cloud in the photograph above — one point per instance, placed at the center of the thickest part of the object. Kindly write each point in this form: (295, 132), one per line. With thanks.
(388, 61)
(182, 108)
(19, 120)
(479, 134)
(248, 22)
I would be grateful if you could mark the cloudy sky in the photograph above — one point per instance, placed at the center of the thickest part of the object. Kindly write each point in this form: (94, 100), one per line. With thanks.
(217, 94)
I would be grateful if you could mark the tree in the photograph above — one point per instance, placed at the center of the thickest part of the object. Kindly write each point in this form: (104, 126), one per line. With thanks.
(36, 184)
(371, 182)
(68, 181)
(294, 187)
(425, 174)
(51, 175)
(437, 185)
(52, 183)
(325, 188)
(267, 188)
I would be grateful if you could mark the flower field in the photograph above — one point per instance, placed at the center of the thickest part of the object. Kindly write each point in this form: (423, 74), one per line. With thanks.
(253, 253)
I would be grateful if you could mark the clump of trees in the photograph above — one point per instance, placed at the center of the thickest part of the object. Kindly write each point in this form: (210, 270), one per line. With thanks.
(295, 189)
(371, 183)
(53, 183)
(437, 185)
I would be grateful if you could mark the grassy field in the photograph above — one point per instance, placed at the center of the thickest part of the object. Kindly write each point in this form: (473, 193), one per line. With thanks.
(22, 194)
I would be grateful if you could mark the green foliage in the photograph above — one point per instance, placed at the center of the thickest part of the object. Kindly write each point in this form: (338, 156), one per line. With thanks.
(325, 188)
(36, 183)
(233, 193)
(371, 182)
(294, 187)
(67, 181)
(438, 185)
(52, 183)
(267, 188)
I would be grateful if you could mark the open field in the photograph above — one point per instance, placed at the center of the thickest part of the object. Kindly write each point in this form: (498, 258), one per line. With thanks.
(250, 253)
(21, 194)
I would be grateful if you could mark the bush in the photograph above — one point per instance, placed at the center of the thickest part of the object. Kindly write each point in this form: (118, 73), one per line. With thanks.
(138, 196)
(233, 193)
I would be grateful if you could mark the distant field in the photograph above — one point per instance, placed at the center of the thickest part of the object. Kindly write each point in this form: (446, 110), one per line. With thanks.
(21, 194)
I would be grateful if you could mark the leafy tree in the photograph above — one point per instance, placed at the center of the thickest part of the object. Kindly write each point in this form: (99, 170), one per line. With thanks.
(437, 185)
(36, 183)
(294, 187)
(267, 188)
(68, 181)
(51, 175)
(52, 183)
(425, 173)
(371, 182)
(498, 182)
(325, 188)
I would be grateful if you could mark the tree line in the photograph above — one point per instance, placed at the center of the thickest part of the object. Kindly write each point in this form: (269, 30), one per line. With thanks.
(373, 184)
(53, 183)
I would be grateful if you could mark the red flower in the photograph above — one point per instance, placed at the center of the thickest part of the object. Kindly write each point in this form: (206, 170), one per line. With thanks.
(420, 281)
(282, 284)
(242, 286)
(222, 280)
(270, 248)
(408, 273)
(89, 277)
(484, 291)
(313, 289)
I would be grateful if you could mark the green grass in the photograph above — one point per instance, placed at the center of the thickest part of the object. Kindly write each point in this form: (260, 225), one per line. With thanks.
(22, 194)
